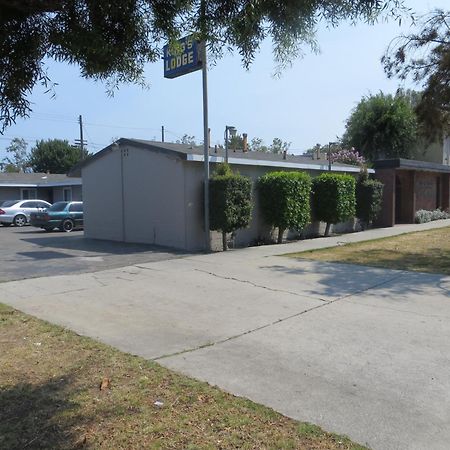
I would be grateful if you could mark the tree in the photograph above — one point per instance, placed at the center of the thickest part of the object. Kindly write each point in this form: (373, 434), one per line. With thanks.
(112, 40)
(55, 156)
(425, 56)
(284, 200)
(369, 199)
(279, 146)
(230, 201)
(186, 139)
(18, 159)
(333, 198)
(344, 156)
(257, 145)
(382, 126)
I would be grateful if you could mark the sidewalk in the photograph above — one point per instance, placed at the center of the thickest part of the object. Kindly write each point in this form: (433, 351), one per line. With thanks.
(324, 242)
(360, 351)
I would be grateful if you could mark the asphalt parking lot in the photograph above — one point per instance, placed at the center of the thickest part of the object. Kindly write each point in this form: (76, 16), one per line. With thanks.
(30, 252)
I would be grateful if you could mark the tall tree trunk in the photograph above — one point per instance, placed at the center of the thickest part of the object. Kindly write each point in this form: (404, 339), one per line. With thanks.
(280, 235)
(327, 229)
(224, 241)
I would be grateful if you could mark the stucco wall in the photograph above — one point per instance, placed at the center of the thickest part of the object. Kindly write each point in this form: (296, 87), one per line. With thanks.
(154, 198)
(102, 198)
(135, 195)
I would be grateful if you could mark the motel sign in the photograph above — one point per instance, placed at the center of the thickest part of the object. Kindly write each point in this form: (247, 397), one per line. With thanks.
(184, 60)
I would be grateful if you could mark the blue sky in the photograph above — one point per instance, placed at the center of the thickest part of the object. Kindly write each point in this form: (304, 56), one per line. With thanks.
(308, 104)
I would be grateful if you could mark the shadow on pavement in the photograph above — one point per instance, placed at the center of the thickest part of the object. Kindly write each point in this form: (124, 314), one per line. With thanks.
(340, 279)
(79, 242)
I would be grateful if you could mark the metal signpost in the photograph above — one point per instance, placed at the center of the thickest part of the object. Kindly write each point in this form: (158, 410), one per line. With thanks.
(190, 55)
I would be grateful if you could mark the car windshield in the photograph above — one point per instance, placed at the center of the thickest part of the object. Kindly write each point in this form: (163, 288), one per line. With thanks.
(9, 203)
(58, 206)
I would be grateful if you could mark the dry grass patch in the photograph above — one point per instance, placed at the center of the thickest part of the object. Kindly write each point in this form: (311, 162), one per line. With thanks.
(424, 251)
(51, 397)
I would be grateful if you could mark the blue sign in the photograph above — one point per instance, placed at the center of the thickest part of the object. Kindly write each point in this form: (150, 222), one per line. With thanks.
(185, 59)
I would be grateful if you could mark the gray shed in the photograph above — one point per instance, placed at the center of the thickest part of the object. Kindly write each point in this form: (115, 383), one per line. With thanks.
(151, 192)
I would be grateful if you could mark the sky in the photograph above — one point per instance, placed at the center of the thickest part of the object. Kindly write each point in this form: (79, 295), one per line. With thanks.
(308, 104)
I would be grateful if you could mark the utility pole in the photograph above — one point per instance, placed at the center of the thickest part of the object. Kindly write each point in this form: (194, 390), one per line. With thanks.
(162, 133)
(80, 142)
(80, 120)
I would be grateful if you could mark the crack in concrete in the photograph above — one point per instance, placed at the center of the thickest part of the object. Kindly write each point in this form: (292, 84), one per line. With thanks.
(276, 322)
(251, 283)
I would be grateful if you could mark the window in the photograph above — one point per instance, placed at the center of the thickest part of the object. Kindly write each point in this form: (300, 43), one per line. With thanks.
(28, 194)
(58, 206)
(67, 194)
(76, 207)
(29, 205)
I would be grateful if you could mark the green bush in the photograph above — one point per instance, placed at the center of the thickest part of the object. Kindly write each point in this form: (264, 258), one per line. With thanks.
(230, 204)
(333, 198)
(369, 198)
(285, 200)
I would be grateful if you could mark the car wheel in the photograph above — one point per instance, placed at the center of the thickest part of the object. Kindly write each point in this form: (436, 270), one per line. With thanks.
(6, 224)
(20, 220)
(67, 225)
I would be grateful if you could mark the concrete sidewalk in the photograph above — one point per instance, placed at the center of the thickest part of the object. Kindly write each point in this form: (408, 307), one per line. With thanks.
(357, 350)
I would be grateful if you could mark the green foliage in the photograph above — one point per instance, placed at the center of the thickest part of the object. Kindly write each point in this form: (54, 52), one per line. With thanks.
(186, 139)
(382, 126)
(424, 55)
(333, 198)
(369, 198)
(229, 201)
(17, 159)
(423, 216)
(54, 156)
(257, 145)
(112, 40)
(285, 199)
(222, 169)
(279, 146)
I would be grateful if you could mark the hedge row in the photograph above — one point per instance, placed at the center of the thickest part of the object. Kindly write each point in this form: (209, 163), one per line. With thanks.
(285, 200)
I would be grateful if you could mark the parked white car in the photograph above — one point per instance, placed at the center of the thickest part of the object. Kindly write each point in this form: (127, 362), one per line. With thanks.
(18, 212)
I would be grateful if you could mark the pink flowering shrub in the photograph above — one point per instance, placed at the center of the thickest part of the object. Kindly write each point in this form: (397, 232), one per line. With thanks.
(347, 157)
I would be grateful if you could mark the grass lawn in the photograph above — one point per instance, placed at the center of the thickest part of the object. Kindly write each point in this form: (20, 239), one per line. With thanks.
(424, 251)
(62, 391)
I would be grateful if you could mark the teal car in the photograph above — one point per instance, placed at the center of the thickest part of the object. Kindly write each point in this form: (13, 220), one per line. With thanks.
(63, 215)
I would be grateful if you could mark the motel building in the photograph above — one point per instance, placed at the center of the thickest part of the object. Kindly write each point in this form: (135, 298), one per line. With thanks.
(152, 192)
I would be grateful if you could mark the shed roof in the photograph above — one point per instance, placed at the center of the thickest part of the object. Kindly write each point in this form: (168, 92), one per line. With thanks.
(19, 179)
(195, 153)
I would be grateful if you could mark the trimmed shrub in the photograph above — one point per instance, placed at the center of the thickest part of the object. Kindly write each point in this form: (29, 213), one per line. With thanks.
(333, 198)
(423, 215)
(230, 204)
(369, 198)
(285, 200)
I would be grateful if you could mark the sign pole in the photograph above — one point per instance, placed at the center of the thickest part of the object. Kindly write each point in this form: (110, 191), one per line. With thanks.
(206, 147)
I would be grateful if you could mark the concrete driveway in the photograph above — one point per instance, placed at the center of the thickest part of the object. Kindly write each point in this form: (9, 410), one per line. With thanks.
(360, 351)
(30, 252)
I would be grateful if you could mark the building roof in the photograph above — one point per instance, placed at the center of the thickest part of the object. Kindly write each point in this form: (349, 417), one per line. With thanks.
(411, 164)
(238, 157)
(19, 179)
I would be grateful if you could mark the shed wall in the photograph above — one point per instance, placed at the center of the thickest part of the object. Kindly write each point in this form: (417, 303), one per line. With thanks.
(102, 194)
